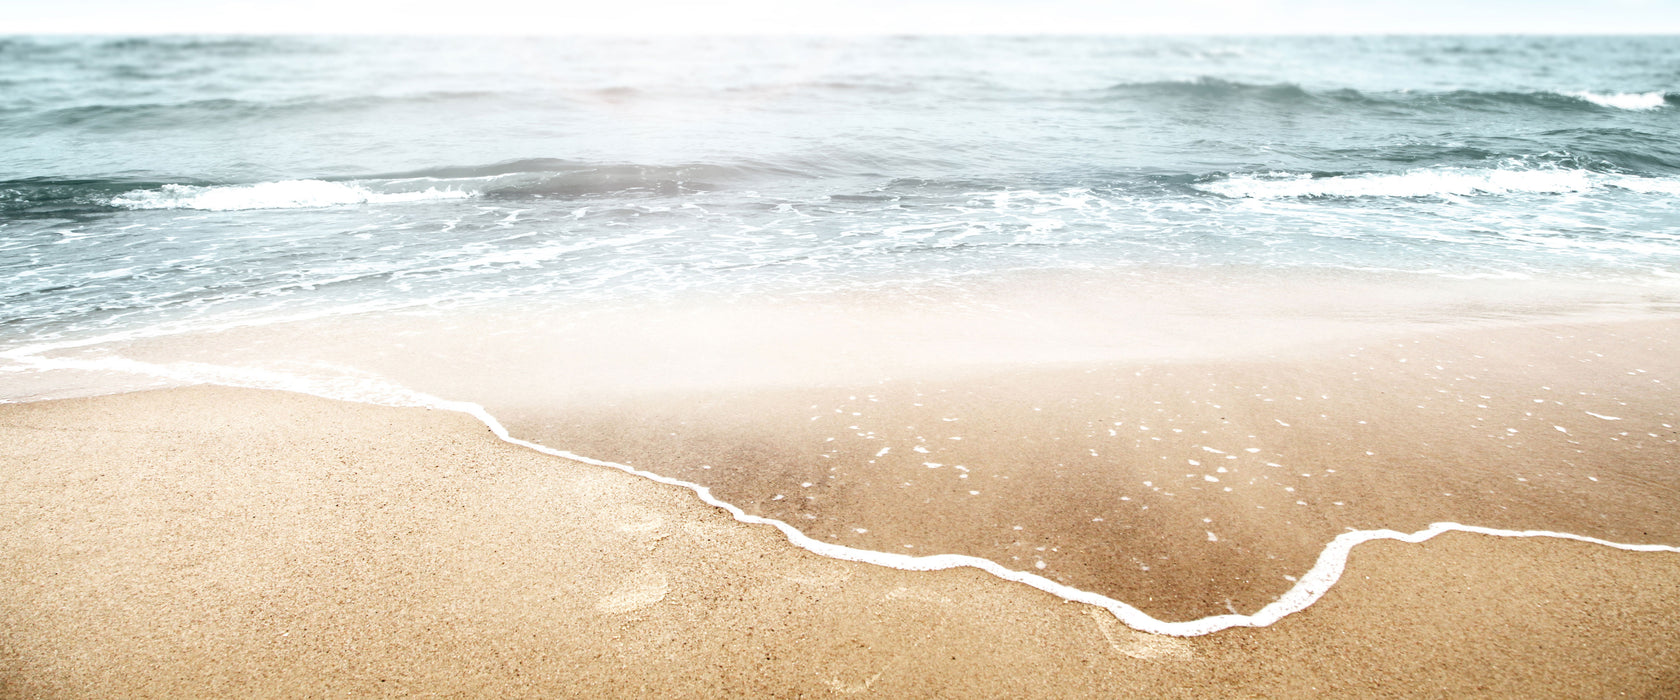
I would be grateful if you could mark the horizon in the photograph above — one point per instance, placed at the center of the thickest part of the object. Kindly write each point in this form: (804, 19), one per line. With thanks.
(866, 18)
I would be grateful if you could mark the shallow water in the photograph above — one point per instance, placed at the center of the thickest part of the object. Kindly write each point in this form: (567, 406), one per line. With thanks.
(148, 181)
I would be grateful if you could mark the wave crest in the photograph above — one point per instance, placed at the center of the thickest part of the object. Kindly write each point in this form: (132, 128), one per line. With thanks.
(1626, 100)
(289, 194)
(514, 179)
(1433, 182)
(1210, 88)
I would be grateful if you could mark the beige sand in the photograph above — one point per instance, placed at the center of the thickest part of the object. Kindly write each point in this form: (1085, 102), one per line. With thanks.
(1188, 488)
(1180, 445)
(219, 542)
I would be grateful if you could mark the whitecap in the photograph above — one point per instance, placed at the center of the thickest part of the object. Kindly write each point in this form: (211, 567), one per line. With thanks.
(1623, 100)
(288, 194)
(1435, 182)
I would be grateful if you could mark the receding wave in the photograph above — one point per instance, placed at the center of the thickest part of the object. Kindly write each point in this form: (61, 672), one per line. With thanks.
(1433, 182)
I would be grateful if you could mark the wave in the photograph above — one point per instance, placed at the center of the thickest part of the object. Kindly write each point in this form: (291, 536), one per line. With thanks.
(608, 179)
(514, 179)
(544, 178)
(568, 179)
(1432, 182)
(197, 113)
(1628, 100)
(33, 198)
(620, 172)
(290, 194)
(221, 45)
(852, 84)
(48, 47)
(1211, 88)
(1208, 87)
(1644, 151)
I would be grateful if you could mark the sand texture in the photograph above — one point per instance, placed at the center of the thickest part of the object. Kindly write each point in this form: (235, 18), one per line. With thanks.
(1191, 488)
(212, 542)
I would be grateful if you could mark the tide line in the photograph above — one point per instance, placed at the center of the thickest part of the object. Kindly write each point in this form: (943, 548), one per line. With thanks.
(1308, 590)
(1312, 586)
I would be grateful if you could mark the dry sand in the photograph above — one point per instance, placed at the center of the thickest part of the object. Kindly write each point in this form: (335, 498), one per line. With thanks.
(220, 542)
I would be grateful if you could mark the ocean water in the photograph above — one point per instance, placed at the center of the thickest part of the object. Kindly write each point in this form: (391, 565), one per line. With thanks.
(556, 227)
(155, 180)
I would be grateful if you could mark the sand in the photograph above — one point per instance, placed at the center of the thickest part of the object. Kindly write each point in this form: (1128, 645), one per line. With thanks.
(1187, 488)
(1184, 456)
(211, 542)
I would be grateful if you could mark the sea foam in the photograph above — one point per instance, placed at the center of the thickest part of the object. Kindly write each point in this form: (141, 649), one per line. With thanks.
(1435, 182)
(1623, 100)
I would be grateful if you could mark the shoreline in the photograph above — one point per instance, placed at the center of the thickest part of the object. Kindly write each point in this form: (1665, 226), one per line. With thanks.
(1274, 531)
(234, 448)
(1188, 489)
(1327, 569)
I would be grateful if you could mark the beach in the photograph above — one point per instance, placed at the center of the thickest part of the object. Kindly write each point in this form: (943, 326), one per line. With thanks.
(791, 366)
(222, 542)
(1129, 454)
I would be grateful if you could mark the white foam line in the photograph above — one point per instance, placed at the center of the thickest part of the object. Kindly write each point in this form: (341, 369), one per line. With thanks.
(1311, 586)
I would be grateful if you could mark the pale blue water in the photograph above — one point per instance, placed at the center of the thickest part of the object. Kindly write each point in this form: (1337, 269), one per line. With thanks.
(160, 180)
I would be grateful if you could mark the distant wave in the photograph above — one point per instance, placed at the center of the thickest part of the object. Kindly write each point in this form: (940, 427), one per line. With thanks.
(291, 194)
(854, 84)
(191, 113)
(27, 118)
(1433, 182)
(49, 48)
(1210, 88)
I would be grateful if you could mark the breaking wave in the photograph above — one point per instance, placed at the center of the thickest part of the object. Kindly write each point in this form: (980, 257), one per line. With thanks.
(290, 194)
(1627, 100)
(1206, 88)
(1433, 182)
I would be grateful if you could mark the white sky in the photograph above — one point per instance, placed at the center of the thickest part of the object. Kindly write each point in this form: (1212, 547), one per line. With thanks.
(840, 17)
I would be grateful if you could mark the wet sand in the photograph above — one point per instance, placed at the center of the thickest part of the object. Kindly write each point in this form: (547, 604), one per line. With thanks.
(221, 542)
(1187, 489)
(1186, 448)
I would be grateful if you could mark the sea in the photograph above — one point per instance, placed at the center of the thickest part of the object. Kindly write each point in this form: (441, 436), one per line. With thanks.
(543, 228)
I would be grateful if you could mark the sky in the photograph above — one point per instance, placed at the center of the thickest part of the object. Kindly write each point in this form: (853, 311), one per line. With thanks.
(840, 17)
